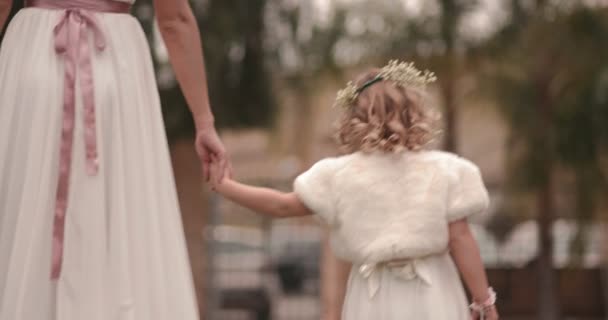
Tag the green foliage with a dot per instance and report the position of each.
(551, 81)
(299, 49)
(232, 33)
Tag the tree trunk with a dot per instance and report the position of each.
(548, 303)
(585, 207)
(304, 129)
(604, 263)
(449, 25)
(448, 90)
(548, 308)
(517, 11)
(540, 4)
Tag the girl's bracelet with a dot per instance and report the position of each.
(483, 307)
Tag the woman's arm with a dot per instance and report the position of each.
(466, 256)
(5, 9)
(181, 35)
(262, 200)
(180, 32)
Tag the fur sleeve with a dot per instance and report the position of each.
(467, 195)
(314, 189)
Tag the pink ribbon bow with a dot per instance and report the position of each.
(71, 42)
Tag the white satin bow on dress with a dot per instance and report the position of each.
(406, 269)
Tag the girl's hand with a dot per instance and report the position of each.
(216, 174)
(491, 314)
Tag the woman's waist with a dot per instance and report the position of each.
(39, 22)
(101, 6)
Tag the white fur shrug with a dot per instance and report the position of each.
(383, 207)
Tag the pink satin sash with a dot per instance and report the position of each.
(77, 21)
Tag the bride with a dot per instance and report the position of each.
(90, 226)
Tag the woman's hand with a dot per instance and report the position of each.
(209, 148)
(178, 27)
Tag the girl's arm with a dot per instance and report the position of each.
(5, 9)
(466, 256)
(262, 200)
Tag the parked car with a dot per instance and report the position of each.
(296, 253)
(239, 271)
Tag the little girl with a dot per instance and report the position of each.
(398, 213)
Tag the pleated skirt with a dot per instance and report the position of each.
(125, 256)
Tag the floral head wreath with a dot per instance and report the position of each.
(403, 74)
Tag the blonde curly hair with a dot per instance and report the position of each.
(387, 118)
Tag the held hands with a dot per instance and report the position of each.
(210, 149)
(216, 174)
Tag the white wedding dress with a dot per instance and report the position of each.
(124, 255)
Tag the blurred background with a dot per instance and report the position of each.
(523, 88)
